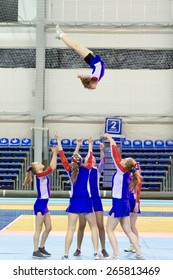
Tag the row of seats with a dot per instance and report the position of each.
(15, 142)
(147, 144)
(125, 144)
(68, 142)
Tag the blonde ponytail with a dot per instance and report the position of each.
(28, 175)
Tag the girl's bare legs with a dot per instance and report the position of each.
(125, 223)
(80, 233)
(94, 231)
(133, 219)
(110, 227)
(48, 228)
(82, 51)
(72, 220)
(39, 219)
(100, 225)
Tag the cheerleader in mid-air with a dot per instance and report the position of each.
(96, 64)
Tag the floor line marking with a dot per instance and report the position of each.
(11, 222)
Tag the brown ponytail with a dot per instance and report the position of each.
(134, 182)
(28, 175)
(75, 171)
(131, 167)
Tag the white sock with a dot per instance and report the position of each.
(62, 34)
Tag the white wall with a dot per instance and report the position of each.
(85, 129)
(17, 90)
(16, 128)
(132, 130)
(120, 93)
(110, 10)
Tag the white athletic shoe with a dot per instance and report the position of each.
(138, 257)
(131, 249)
(59, 32)
(113, 258)
(97, 256)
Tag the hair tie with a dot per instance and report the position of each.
(29, 168)
(77, 160)
(134, 169)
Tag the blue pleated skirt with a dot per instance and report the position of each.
(80, 205)
(97, 203)
(120, 207)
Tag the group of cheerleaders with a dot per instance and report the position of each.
(85, 202)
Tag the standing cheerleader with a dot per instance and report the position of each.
(94, 179)
(80, 197)
(120, 211)
(135, 207)
(41, 211)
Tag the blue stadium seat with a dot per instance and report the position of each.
(159, 144)
(137, 144)
(26, 142)
(85, 142)
(169, 143)
(148, 144)
(53, 142)
(4, 141)
(126, 144)
(96, 143)
(14, 142)
(65, 142)
(73, 142)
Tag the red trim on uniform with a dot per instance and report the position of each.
(138, 190)
(89, 161)
(64, 161)
(46, 172)
(117, 157)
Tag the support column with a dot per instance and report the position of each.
(40, 80)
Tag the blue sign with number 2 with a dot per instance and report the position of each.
(113, 125)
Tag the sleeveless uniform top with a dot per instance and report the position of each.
(121, 179)
(98, 68)
(94, 178)
(43, 183)
(81, 187)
